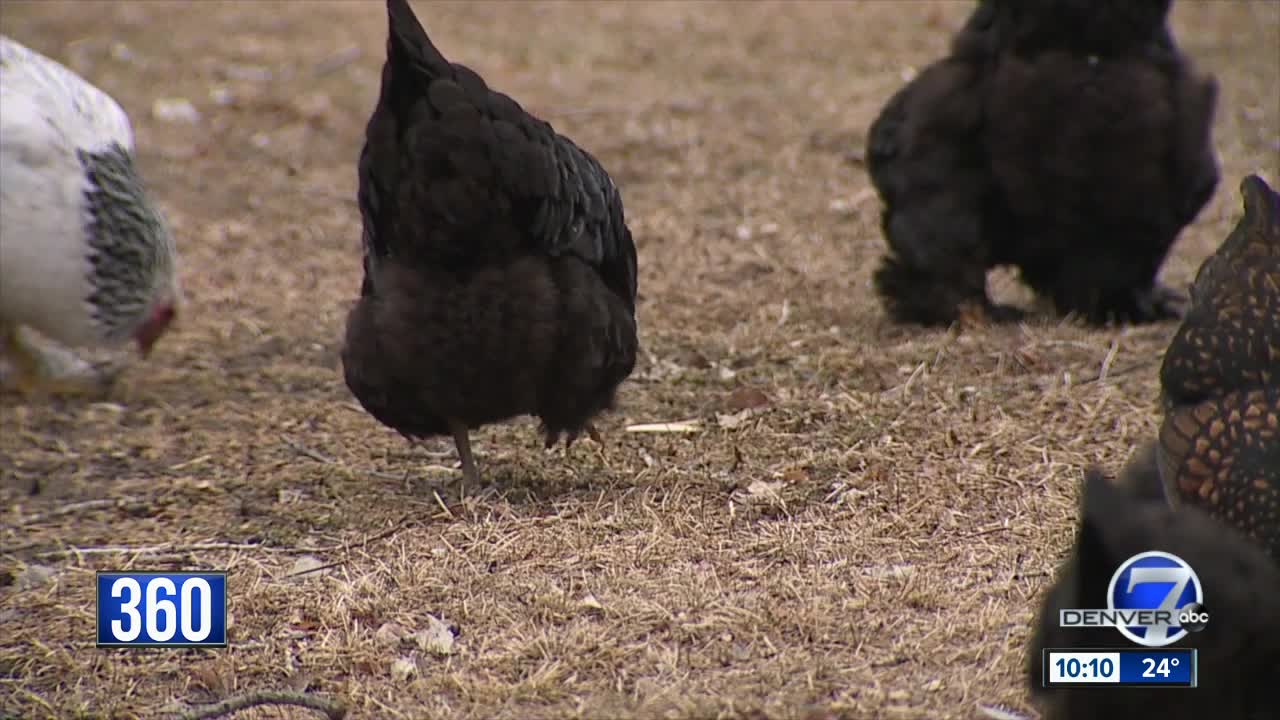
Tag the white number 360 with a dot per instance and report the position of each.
(162, 616)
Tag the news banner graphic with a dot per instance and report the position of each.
(1154, 599)
(155, 609)
(1120, 667)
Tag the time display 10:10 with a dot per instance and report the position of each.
(1091, 667)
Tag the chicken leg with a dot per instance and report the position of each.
(462, 440)
(51, 370)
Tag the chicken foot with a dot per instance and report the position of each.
(51, 370)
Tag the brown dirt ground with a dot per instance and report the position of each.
(925, 481)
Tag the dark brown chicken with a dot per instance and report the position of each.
(1220, 440)
(1067, 138)
(1240, 583)
(499, 272)
(1207, 491)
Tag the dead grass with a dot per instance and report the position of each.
(869, 543)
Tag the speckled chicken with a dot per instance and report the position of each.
(85, 257)
(1240, 584)
(499, 271)
(1067, 138)
(1220, 440)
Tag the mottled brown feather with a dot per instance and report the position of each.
(1220, 440)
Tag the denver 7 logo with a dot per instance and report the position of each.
(1160, 582)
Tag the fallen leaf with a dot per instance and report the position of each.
(300, 682)
(795, 475)
(208, 679)
(694, 359)
(436, 638)
(307, 566)
(745, 398)
(764, 489)
(998, 713)
(390, 634)
(403, 668)
(733, 420)
(33, 576)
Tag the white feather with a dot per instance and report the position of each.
(47, 114)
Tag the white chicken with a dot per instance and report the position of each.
(86, 260)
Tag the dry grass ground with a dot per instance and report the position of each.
(868, 538)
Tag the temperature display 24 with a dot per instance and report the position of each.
(1119, 667)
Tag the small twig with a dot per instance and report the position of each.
(41, 701)
(154, 549)
(21, 548)
(309, 571)
(331, 708)
(1123, 371)
(440, 501)
(75, 508)
(680, 426)
(404, 522)
(979, 533)
(307, 452)
(1106, 362)
(310, 454)
(346, 547)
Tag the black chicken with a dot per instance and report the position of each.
(1240, 585)
(1067, 138)
(499, 272)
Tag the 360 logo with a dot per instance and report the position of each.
(1154, 599)
(162, 609)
